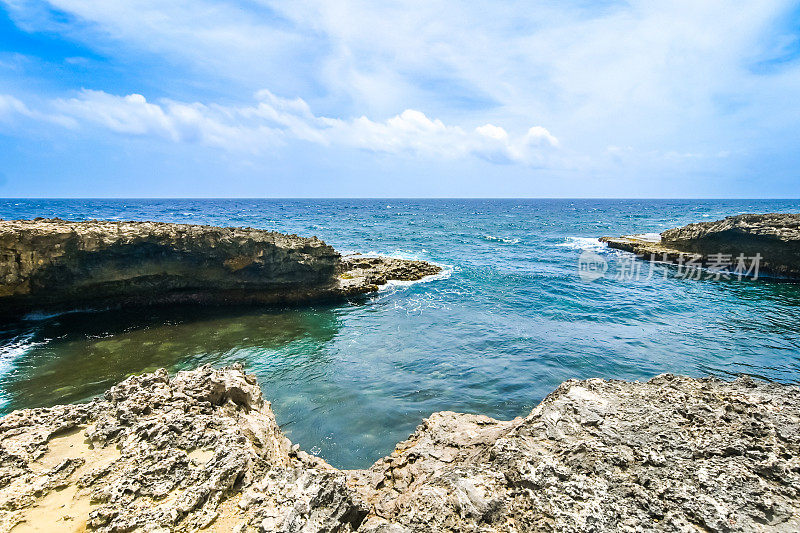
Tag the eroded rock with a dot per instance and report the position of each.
(381, 270)
(54, 264)
(774, 238)
(673, 454)
(202, 450)
(169, 454)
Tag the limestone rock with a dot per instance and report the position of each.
(167, 455)
(673, 454)
(775, 237)
(202, 451)
(53, 264)
(381, 270)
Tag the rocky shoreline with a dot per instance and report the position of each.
(774, 238)
(202, 451)
(52, 264)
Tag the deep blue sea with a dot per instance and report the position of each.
(508, 321)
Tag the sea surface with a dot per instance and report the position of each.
(508, 320)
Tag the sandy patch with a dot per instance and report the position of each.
(65, 509)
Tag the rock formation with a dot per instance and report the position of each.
(381, 270)
(774, 237)
(202, 450)
(52, 264)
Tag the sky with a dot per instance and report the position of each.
(432, 98)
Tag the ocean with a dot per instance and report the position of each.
(508, 320)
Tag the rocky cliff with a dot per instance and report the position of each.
(52, 264)
(202, 451)
(775, 237)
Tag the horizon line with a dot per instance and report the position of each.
(27, 198)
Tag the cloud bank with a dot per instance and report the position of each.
(272, 121)
(645, 98)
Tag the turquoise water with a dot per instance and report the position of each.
(508, 322)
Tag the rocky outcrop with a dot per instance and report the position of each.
(202, 450)
(774, 238)
(156, 454)
(51, 264)
(381, 270)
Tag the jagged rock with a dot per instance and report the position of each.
(673, 454)
(202, 450)
(774, 237)
(159, 455)
(52, 264)
(381, 270)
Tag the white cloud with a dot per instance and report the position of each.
(216, 126)
(11, 107)
(658, 77)
(273, 120)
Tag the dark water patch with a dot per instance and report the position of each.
(75, 356)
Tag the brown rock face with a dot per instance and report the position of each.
(53, 264)
(202, 451)
(775, 237)
(381, 270)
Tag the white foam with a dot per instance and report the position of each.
(38, 316)
(649, 237)
(583, 243)
(396, 254)
(501, 239)
(12, 351)
(446, 272)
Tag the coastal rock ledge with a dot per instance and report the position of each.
(773, 237)
(53, 264)
(202, 451)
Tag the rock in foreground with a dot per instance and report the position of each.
(774, 238)
(202, 450)
(54, 265)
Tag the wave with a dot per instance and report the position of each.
(17, 347)
(9, 353)
(38, 316)
(500, 239)
(583, 243)
(396, 254)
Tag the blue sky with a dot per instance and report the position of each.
(435, 98)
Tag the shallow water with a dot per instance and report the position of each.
(510, 320)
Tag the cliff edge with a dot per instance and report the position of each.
(202, 451)
(773, 237)
(54, 264)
